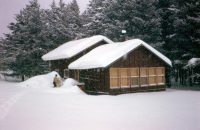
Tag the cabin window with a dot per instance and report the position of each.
(135, 77)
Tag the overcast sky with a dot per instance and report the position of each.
(8, 9)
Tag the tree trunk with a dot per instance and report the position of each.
(22, 77)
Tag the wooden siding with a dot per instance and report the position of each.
(140, 57)
(130, 77)
(140, 64)
(95, 80)
(137, 89)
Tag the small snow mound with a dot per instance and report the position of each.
(71, 86)
(70, 82)
(40, 81)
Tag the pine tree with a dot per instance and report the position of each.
(75, 23)
(63, 21)
(168, 12)
(193, 19)
(94, 17)
(36, 31)
(75, 8)
(187, 26)
(138, 17)
(1, 54)
(26, 41)
(57, 22)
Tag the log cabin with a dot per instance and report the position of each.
(62, 56)
(130, 66)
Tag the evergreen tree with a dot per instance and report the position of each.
(75, 8)
(193, 19)
(36, 31)
(75, 23)
(94, 17)
(138, 17)
(26, 44)
(181, 40)
(168, 12)
(186, 27)
(63, 21)
(1, 54)
(57, 23)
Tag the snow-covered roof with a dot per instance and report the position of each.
(104, 55)
(72, 48)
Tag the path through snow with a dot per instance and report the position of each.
(8, 97)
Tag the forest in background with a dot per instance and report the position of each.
(171, 26)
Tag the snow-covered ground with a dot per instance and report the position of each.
(29, 107)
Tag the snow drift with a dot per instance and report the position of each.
(69, 86)
(27, 109)
(40, 81)
(46, 81)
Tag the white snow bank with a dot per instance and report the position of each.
(40, 81)
(37, 110)
(70, 82)
(109, 53)
(46, 81)
(69, 86)
(72, 48)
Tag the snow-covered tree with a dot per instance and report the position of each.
(26, 42)
(94, 17)
(1, 54)
(55, 21)
(63, 21)
(168, 12)
(75, 23)
(36, 31)
(192, 8)
(138, 17)
(186, 29)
